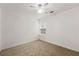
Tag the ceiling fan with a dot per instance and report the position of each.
(38, 5)
(41, 7)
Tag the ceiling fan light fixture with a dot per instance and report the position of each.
(40, 11)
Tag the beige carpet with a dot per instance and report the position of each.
(38, 48)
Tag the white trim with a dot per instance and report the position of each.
(61, 45)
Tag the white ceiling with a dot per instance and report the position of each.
(56, 7)
(60, 7)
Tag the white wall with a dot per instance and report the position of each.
(63, 29)
(0, 28)
(17, 27)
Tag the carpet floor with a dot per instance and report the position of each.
(38, 48)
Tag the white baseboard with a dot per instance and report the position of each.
(14, 45)
(60, 45)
